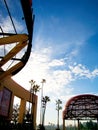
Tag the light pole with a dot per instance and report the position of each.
(32, 82)
(43, 81)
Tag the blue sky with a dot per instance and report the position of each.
(64, 51)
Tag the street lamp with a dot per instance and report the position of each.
(43, 81)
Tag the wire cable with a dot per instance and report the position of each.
(3, 36)
(10, 16)
(13, 27)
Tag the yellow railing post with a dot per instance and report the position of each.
(22, 110)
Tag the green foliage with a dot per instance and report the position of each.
(15, 114)
(90, 125)
(58, 102)
(44, 103)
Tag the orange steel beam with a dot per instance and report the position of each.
(13, 39)
(11, 70)
(12, 53)
(22, 41)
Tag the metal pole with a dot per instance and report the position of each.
(41, 104)
(78, 125)
(43, 81)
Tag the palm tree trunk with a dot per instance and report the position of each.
(58, 118)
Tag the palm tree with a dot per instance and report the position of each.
(33, 90)
(58, 108)
(44, 103)
(32, 82)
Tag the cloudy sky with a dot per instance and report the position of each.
(64, 51)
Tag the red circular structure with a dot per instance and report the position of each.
(81, 107)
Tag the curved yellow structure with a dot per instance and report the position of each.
(23, 94)
(17, 42)
(22, 41)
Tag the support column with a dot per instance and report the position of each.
(22, 110)
(64, 127)
(78, 125)
(97, 123)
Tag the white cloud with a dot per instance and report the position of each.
(7, 26)
(95, 72)
(81, 71)
(57, 62)
(41, 66)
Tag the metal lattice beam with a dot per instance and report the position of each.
(81, 107)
